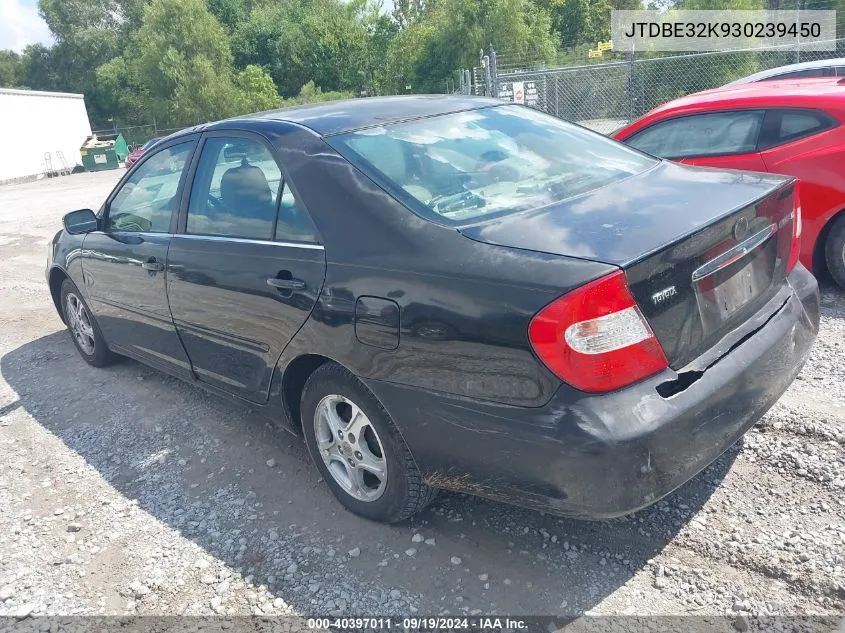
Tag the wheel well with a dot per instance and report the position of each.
(57, 277)
(819, 263)
(293, 382)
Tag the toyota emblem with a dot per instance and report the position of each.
(740, 229)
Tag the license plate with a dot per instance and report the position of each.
(725, 292)
(736, 291)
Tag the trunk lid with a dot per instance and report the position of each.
(702, 249)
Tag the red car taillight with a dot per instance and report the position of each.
(595, 338)
(796, 233)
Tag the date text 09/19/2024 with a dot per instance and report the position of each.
(421, 623)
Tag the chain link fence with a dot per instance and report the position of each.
(137, 135)
(605, 96)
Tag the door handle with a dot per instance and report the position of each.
(152, 265)
(286, 284)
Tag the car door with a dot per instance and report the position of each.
(123, 265)
(715, 139)
(245, 267)
(808, 144)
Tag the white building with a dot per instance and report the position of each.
(34, 124)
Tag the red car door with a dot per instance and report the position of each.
(809, 145)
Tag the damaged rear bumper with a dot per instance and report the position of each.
(599, 456)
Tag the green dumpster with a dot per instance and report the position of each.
(100, 153)
(120, 146)
(99, 158)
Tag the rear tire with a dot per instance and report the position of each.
(83, 327)
(358, 450)
(834, 251)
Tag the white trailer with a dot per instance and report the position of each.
(37, 129)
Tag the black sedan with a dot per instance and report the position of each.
(452, 292)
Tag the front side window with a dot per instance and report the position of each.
(714, 134)
(146, 201)
(470, 166)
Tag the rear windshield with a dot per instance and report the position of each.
(469, 166)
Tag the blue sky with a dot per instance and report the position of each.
(20, 24)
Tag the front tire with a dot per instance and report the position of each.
(83, 327)
(358, 449)
(834, 251)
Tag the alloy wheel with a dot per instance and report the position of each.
(350, 447)
(79, 323)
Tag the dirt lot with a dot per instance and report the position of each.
(123, 491)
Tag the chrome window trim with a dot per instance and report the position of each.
(246, 240)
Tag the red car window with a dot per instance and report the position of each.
(787, 125)
(711, 134)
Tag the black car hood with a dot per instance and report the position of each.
(627, 220)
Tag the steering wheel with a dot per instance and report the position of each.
(130, 222)
(216, 203)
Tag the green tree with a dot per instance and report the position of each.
(451, 35)
(230, 13)
(181, 59)
(124, 96)
(303, 40)
(408, 12)
(11, 70)
(584, 21)
(38, 68)
(180, 70)
(258, 92)
(313, 94)
(88, 34)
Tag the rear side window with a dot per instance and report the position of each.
(713, 134)
(470, 166)
(238, 192)
(799, 74)
(785, 126)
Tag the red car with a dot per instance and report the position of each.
(793, 127)
(136, 153)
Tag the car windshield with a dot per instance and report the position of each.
(469, 166)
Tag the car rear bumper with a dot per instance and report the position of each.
(599, 456)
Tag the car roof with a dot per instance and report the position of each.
(336, 117)
(789, 68)
(778, 93)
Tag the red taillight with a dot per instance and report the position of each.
(595, 338)
(796, 233)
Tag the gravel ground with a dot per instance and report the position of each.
(124, 491)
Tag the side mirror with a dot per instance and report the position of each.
(81, 221)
